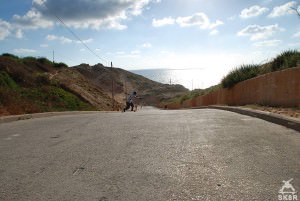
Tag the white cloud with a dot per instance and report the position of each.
(199, 19)
(268, 43)
(284, 9)
(24, 51)
(216, 24)
(90, 13)
(5, 28)
(163, 22)
(257, 32)
(147, 45)
(51, 37)
(214, 32)
(65, 40)
(100, 14)
(296, 35)
(62, 39)
(39, 2)
(33, 19)
(253, 11)
(19, 33)
(85, 41)
(138, 6)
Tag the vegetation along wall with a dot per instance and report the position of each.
(281, 88)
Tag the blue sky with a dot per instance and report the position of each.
(213, 35)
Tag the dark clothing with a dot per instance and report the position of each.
(129, 102)
(128, 105)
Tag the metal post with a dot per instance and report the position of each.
(112, 87)
(192, 84)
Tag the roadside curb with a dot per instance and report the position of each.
(267, 116)
(7, 119)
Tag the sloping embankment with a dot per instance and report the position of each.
(281, 88)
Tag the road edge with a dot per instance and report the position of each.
(267, 116)
(12, 118)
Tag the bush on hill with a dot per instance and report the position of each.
(10, 55)
(287, 59)
(60, 65)
(240, 74)
(6, 81)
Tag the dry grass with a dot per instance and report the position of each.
(288, 112)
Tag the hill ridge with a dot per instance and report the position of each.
(31, 85)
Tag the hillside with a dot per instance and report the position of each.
(152, 92)
(31, 85)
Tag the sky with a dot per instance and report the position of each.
(213, 35)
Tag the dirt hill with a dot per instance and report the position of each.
(125, 82)
(30, 85)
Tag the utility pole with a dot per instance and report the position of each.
(192, 84)
(125, 90)
(112, 87)
(53, 56)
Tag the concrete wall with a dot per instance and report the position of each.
(280, 88)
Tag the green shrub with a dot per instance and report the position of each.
(66, 99)
(42, 79)
(184, 98)
(52, 98)
(44, 60)
(196, 92)
(10, 56)
(60, 65)
(6, 81)
(287, 59)
(28, 59)
(240, 74)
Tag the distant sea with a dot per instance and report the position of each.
(189, 78)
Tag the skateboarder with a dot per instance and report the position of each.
(129, 101)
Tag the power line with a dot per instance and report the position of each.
(75, 35)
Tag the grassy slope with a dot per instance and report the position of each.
(26, 87)
(287, 59)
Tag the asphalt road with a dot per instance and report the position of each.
(148, 155)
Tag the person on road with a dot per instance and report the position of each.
(129, 101)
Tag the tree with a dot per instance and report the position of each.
(297, 11)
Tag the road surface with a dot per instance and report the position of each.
(148, 155)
